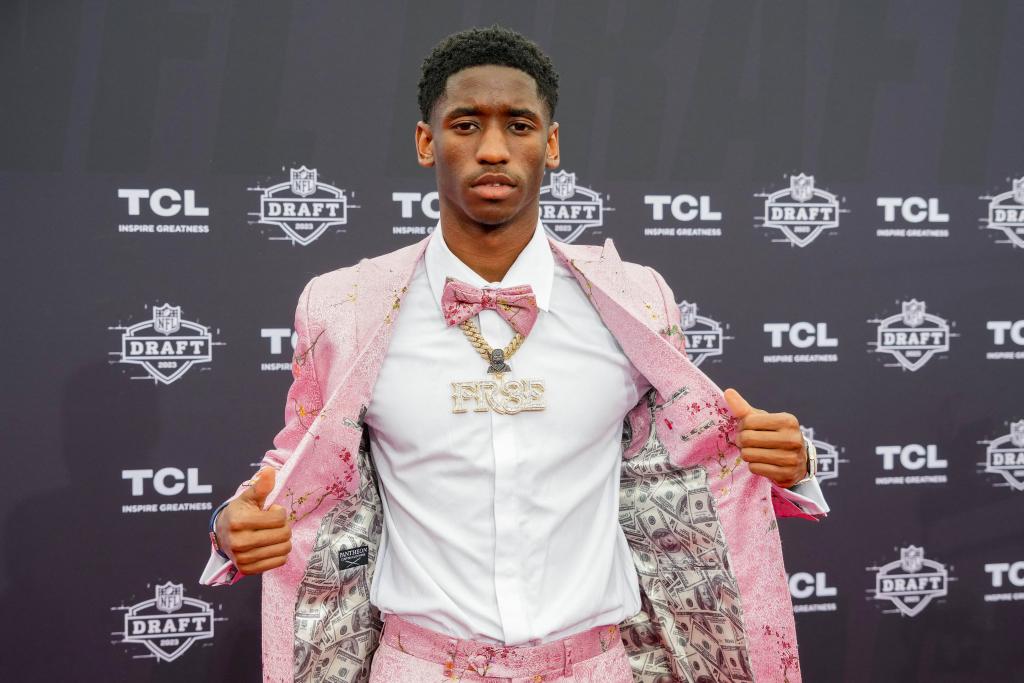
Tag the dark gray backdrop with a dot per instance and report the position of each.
(111, 473)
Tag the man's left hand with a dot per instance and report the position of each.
(770, 442)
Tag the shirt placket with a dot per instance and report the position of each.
(508, 508)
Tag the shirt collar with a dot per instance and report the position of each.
(535, 266)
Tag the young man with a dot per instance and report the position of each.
(495, 442)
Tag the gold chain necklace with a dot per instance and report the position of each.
(496, 357)
(506, 397)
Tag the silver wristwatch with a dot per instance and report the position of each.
(812, 461)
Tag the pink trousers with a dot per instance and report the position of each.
(409, 653)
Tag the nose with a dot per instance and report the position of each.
(492, 149)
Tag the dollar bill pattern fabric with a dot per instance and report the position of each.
(337, 630)
(690, 598)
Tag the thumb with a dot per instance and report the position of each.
(737, 404)
(262, 485)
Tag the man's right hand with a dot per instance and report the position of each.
(255, 539)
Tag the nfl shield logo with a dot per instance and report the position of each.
(303, 181)
(913, 312)
(1017, 434)
(912, 559)
(167, 319)
(688, 313)
(801, 187)
(1018, 190)
(169, 597)
(563, 185)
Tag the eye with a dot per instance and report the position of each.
(521, 126)
(463, 126)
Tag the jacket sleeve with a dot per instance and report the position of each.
(802, 500)
(302, 405)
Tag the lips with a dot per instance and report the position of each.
(493, 179)
(493, 186)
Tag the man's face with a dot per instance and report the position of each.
(489, 140)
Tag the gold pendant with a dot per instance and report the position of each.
(505, 397)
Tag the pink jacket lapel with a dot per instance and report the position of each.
(380, 286)
(602, 274)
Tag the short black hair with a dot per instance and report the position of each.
(483, 46)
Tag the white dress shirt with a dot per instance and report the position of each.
(503, 528)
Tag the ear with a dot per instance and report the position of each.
(424, 144)
(552, 159)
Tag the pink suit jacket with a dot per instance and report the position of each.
(701, 527)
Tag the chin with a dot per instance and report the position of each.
(493, 216)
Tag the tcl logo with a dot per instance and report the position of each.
(1000, 570)
(912, 209)
(277, 335)
(164, 202)
(912, 457)
(803, 585)
(428, 203)
(684, 207)
(802, 335)
(1001, 329)
(167, 481)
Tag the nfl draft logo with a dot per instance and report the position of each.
(828, 456)
(913, 336)
(1005, 456)
(166, 345)
(800, 212)
(168, 624)
(1006, 213)
(303, 208)
(911, 582)
(567, 209)
(703, 335)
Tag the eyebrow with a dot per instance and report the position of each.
(477, 111)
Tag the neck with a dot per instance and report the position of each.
(489, 250)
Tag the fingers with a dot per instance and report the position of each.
(783, 466)
(255, 539)
(243, 528)
(263, 565)
(789, 439)
(774, 456)
(246, 518)
(783, 476)
(266, 552)
(771, 443)
(763, 420)
(248, 541)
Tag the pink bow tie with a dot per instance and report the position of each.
(517, 305)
